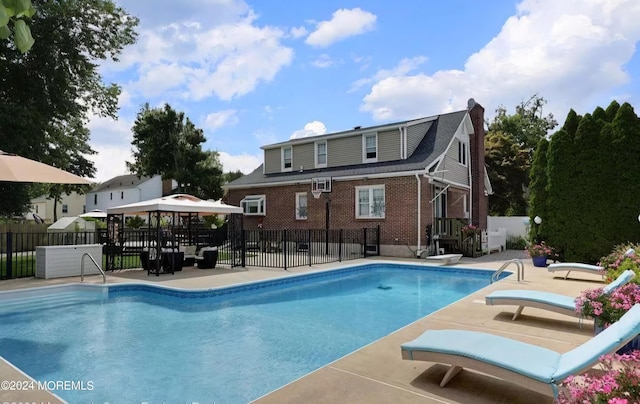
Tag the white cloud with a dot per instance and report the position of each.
(297, 32)
(196, 62)
(568, 52)
(217, 120)
(110, 161)
(324, 61)
(243, 162)
(343, 24)
(313, 128)
(405, 66)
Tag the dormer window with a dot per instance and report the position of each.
(370, 148)
(287, 158)
(321, 154)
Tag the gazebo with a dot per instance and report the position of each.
(159, 250)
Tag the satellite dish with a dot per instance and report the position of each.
(37, 219)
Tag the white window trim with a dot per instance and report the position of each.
(260, 199)
(298, 216)
(326, 154)
(364, 148)
(370, 188)
(282, 149)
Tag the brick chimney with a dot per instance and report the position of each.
(479, 199)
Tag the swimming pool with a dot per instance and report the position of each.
(138, 343)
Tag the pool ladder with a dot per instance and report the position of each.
(104, 276)
(515, 261)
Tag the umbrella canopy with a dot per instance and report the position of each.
(14, 168)
(181, 203)
(96, 213)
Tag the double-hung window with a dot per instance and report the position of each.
(301, 206)
(321, 154)
(370, 202)
(254, 205)
(287, 158)
(370, 148)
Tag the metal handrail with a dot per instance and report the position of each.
(104, 275)
(519, 265)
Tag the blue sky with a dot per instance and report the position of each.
(251, 73)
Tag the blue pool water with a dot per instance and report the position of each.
(227, 346)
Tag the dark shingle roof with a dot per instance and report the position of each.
(121, 181)
(432, 145)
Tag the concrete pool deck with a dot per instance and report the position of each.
(377, 373)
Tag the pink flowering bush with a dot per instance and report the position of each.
(470, 229)
(616, 382)
(607, 308)
(540, 250)
(622, 258)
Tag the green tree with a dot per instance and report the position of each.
(14, 14)
(48, 92)
(509, 163)
(232, 176)
(168, 144)
(592, 183)
(557, 226)
(538, 188)
(524, 129)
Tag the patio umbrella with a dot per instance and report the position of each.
(14, 168)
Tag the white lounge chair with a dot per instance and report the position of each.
(576, 267)
(530, 366)
(579, 267)
(547, 301)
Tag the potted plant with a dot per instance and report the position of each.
(606, 309)
(539, 253)
(617, 382)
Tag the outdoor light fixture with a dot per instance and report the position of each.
(538, 219)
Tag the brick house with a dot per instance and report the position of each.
(402, 176)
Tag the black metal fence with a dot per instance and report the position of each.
(295, 248)
(258, 248)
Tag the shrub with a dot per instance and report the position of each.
(516, 243)
(622, 258)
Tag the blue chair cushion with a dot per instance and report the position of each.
(526, 359)
(554, 299)
(621, 280)
(605, 342)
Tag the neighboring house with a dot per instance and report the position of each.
(125, 189)
(401, 176)
(67, 206)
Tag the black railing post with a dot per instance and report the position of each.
(364, 244)
(9, 255)
(243, 250)
(309, 246)
(285, 247)
(378, 240)
(340, 246)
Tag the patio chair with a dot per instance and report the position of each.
(579, 267)
(545, 300)
(207, 257)
(530, 366)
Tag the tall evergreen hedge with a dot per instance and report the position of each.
(589, 193)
